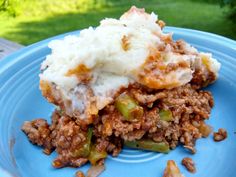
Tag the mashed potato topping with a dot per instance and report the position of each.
(83, 73)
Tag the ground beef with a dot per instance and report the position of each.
(145, 98)
(186, 104)
(220, 135)
(180, 47)
(202, 78)
(38, 132)
(189, 108)
(64, 135)
(189, 164)
(112, 122)
(67, 137)
(112, 145)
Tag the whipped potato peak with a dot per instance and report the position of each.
(84, 72)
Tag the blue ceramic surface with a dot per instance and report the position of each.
(20, 100)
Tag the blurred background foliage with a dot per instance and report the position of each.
(232, 8)
(37, 7)
(28, 21)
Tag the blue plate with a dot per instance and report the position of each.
(20, 100)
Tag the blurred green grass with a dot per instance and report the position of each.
(37, 20)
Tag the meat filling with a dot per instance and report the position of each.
(152, 120)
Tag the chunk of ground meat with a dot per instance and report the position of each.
(189, 164)
(38, 132)
(67, 137)
(112, 123)
(202, 78)
(145, 98)
(115, 146)
(185, 101)
(111, 145)
(220, 135)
